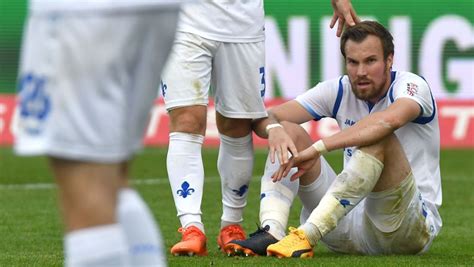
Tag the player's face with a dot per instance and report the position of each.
(368, 72)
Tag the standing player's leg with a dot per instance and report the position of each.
(185, 87)
(145, 243)
(186, 174)
(239, 82)
(235, 166)
(88, 197)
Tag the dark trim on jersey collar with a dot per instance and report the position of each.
(337, 104)
(370, 105)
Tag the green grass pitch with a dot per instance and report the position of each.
(31, 231)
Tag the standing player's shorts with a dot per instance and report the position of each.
(395, 221)
(88, 81)
(234, 71)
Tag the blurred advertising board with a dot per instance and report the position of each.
(456, 124)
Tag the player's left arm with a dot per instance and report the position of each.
(376, 126)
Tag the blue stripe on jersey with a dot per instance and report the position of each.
(311, 111)
(419, 120)
(393, 74)
(425, 120)
(338, 99)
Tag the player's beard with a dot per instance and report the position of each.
(373, 92)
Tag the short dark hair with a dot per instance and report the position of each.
(361, 30)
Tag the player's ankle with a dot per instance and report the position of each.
(311, 232)
(276, 229)
(198, 225)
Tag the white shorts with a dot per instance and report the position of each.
(394, 221)
(88, 81)
(234, 71)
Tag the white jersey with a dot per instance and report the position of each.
(41, 6)
(420, 138)
(238, 21)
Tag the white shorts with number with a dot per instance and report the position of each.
(234, 71)
(88, 81)
(394, 221)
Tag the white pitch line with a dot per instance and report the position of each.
(36, 186)
(147, 181)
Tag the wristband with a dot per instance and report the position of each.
(320, 147)
(271, 126)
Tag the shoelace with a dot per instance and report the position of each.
(188, 232)
(289, 240)
(260, 230)
(233, 229)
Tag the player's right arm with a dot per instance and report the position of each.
(279, 141)
(290, 111)
(316, 103)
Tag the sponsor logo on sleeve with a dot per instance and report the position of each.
(412, 89)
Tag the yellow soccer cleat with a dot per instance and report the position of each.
(294, 245)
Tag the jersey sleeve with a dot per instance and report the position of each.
(417, 89)
(319, 100)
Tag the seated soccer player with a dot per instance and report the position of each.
(386, 199)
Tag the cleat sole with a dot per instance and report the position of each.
(279, 256)
(189, 254)
(239, 250)
(249, 252)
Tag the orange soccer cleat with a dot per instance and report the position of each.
(227, 234)
(193, 242)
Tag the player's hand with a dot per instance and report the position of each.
(344, 15)
(280, 143)
(305, 161)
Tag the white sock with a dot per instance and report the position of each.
(143, 237)
(311, 232)
(235, 165)
(186, 175)
(354, 183)
(276, 199)
(103, 245)
(310, 195)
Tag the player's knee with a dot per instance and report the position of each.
(378, 149)
(233, 127)
(87, 213)
(187, 121)
(298, 134)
